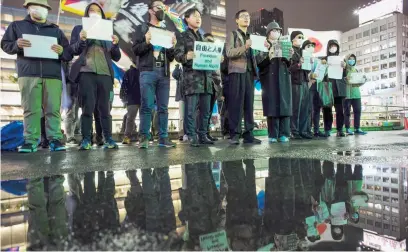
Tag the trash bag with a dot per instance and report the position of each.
(326, 94)
(12, 136)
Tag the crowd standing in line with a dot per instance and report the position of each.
(290, 95)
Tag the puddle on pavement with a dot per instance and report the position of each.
(373, 153)
(266, 204)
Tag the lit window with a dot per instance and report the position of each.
(366, 42)
(395, 210)
(375, 39)
(383, 46)
(359, 44)
(375, 68)
(392, 34)
(367, 51)
(392, 43)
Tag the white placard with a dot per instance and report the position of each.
(307, 63)
(320, 71)
(207, 56)
(338, 210)
(161, 37)
(357, 78)
(98, 28)
(40, 47)
(258, 43)
(335, 69)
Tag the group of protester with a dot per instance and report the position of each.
(289, 93)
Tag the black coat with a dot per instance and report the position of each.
(194, 81)
(339, 86)
(276, 86)
(131, 86)
(35, 67)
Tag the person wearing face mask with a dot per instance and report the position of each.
(276, 88)
(353, 98)
(198, 87)
(154, 66)
(300, 120)
(339, 90)
(39, 79)
(94, 73)
(242, 70)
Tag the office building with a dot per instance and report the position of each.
(219, 22)
(261, 18)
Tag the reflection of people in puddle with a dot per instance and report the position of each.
(200, 202)
(134, 203)
(242, 218)
(47, 222)
(288, 187)
(97, 211)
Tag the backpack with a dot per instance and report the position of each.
(12, 136)
(225, 63)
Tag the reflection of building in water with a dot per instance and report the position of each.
(387, 211)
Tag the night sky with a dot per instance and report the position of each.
(313, 14)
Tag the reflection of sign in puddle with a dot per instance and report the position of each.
(372, 153)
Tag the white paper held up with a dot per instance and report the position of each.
(338, 210)
(161, 37)
(335, 69)
(320, 71)
(258, 43)
(40, 47)
(306, 65)
(357, 78)
(98, 28)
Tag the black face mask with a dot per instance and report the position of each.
(159, 15)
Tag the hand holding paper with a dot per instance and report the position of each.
(41, 47)
(97, 28)
(335, 67)
(160, 37)
(259, 43)
(21, 43)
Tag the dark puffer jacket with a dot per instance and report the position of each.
(35, 67)
(194, 81)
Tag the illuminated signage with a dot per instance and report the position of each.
(383, 243)
(379, 9)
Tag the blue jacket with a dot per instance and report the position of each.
(35, 67)
(79, 47)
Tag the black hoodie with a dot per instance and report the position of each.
(298, 75)
(79, 47)
(35, 67)
(339, 86)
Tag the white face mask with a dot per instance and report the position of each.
(94, 15)
(275, 35)
(333, 49)
(38, 11)
(310, 49)
(298, 42)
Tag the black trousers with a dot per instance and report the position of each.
(197, 123)
(98, 125)
(278, 126)
(301, 109)
(241, 103)
(94, 92)
(356, 104)
(338, 106)
(327, 113)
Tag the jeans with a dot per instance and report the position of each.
(278, 127)
(356, 104)
(154, 84)
(94, 91)
(191, 101)
(181, 124)
(130, 119)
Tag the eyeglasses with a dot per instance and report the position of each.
(160, 7)
(300, 37)
(244, 16)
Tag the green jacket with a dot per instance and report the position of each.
(353, 90)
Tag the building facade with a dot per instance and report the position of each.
(219, 22)
(261, 18)
(381, 48)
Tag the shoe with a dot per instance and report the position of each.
(206, 140)
(181, 138)
(340, 134)
(349, 132)
(185, 138)
(110, 144)
(194, 142)
(72, 141)
(99, 141)
(126, 140)
(306, 136)
(327, 133)
(319, 134)
(252, 140)
(56, 145)
(28, 148)
(272, 140)
(360, 132)
(283, 139)
(166, 142)
(144, 143)
(214, 139)
(234, 140)
(296, 136)
(85, 145)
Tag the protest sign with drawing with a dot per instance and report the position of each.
(207, 56)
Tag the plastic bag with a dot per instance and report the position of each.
(325, 91)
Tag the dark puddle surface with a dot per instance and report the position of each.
(266, 204)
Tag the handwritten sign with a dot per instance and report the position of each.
(207, 56)
(216, 241)
(281, 49)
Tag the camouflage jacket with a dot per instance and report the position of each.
(194, 81)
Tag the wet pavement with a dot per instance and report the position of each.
(308, 195)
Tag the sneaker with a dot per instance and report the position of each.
(126, 140)
(85, 145)
(283, 139)
(340, 134)
(360, 132)
(144, 143)
(272, 140)
(110, 144)
(185, 138)
(166, 142)
(214, 139)
(296, 136)
(234, 140)
(349, 132)
(72, 141)
(194, 142)
(319, 134)
(252, 140)
(327, 133)
(28, 148)
(206, 140)
(306, 136)
(56, 145)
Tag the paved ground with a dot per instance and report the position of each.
(377, 147)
